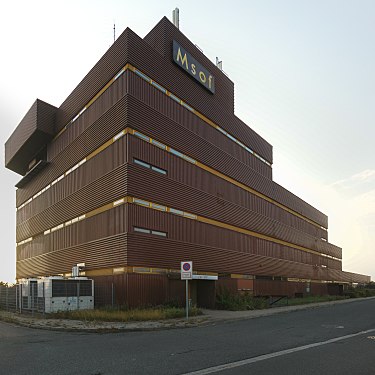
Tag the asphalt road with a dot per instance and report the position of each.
(336, 339)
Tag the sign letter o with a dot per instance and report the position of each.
(202, 77)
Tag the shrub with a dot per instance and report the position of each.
(225, 300)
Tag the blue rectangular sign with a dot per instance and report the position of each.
(187, 62)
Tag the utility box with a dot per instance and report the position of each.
(67, 294)
(53, 294)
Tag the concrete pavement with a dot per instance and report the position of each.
(208, 317)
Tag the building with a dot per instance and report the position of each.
(145, 165)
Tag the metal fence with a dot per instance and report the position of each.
(9, 297)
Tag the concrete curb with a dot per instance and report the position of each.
(210, 317)
(224, 315)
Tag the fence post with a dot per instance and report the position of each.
(44, 301)
(32, 299)
(6, 298)
(20, 297)
(78, 287)
(112, 296)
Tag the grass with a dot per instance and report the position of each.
(309, 299)
(225, 300)
(125, 315)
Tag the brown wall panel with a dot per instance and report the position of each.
(113, 121)
(106, 68)
(218, 107)
(224, 191)
(202, 234)
(104, 103)
(152, 252)
(278, 288)
(157, 100)
(104, 225)
(155, 252)
(135, 290)
(155, 187)
(148, 120)
(131, 48)
(30, 137)
(95, 168)
(94, 195)
(108, 252)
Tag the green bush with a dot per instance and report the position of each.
(360, 292)
(225, 300)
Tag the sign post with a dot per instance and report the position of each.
(187, 274)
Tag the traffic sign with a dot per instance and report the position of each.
(186, 270)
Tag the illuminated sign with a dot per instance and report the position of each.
(193, 67)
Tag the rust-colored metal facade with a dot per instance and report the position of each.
(81, 206)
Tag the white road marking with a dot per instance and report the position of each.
(248, 361)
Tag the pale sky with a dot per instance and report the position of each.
(304, 80)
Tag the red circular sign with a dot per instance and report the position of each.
(186, 267)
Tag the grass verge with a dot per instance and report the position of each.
(125, 315)
(311, 299)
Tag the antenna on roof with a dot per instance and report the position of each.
(176, 18)
(114, 32)
(219, 64)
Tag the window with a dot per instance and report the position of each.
(159, 170)
(177, 212)
(175, 98)
(149, 166)
(142, 136)
(190, 216)
(142, 75)
(158, 233)
(141, 202)
(158, 87)
(158, 207)
(175, 152)
(150, 231)
(142, 230)
(161, 145)
(142, 163)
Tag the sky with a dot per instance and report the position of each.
(304, 80)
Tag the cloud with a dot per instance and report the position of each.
(363, 179)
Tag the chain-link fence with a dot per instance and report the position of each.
(105, 295)
(9, 297)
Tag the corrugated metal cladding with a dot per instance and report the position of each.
(100, 227)
(110, 251)
(33, 133)
(104, 190)
(135, 290)
(113, 121)
(157, 100)
(146, 119)
(211, 259)
(218, 107)
(155, 187)
(224, 191)
(195, 233)
(285, 288)
(106, 166)
(104, 238)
